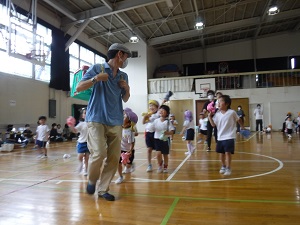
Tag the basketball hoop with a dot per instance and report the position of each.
(204, 88)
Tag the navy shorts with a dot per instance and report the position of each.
(41, 144)
(225, 146)
(150, 140)
(162, 146)
(204, 132)
(190, 134)
(82, 148)
(131, 158)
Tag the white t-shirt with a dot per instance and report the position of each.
(289, 124)
(161, 126)
(149, 126)
(127, 139)
(258, 113)
(203, 123)
(226, 124)
(82, 128)
(189, 124)
(42, 132)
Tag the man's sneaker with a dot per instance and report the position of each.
(107, 197)
(149, 168)
(159, 169)
(44, 157)
(119, 180)
(187, 153)
(200, 140)
(222, 170)
(165, 170)
(227, 172)
(90, 188)
(208, 149)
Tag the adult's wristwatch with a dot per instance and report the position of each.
(94, 80)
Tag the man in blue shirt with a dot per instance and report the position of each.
(105, 116)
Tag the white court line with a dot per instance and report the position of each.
(178, 168)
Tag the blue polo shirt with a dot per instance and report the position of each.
(105, 104)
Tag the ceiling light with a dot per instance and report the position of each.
(134, 39)
(273, 10)
(199, 25)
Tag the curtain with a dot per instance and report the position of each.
(60, 72)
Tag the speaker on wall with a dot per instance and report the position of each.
(52, 108)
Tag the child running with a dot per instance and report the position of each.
(163, 127)
(202, 127)
(82, 148)
(42, 136)
(189, 131)
(225, 119)
(148, 119)
(127, 143)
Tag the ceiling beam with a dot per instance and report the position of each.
(221, 27)
(56, 5)
(77, 33)
(104, 11)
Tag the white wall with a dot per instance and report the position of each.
(23, 100)
(137, 75)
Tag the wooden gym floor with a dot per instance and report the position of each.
(264, 187)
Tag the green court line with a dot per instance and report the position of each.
(170, 211)
(215, 199)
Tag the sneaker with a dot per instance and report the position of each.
(200, 140)
(132, 169)
(44, 157)
(85, 173)
(159, 169)
(222, 170)
(119, 180)
(90, 188)
(208, 149)
(187, 153)
(126, 170)
(149, 168)
(79, 169)
(227, 172)
(193, 150)
(107, 197)
(39, 156)
(165, 170)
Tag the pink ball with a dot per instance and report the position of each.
(71, 121)
(211, 107)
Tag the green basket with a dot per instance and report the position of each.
(83, 95)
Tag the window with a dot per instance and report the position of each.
(24, 47)
(79, 57)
